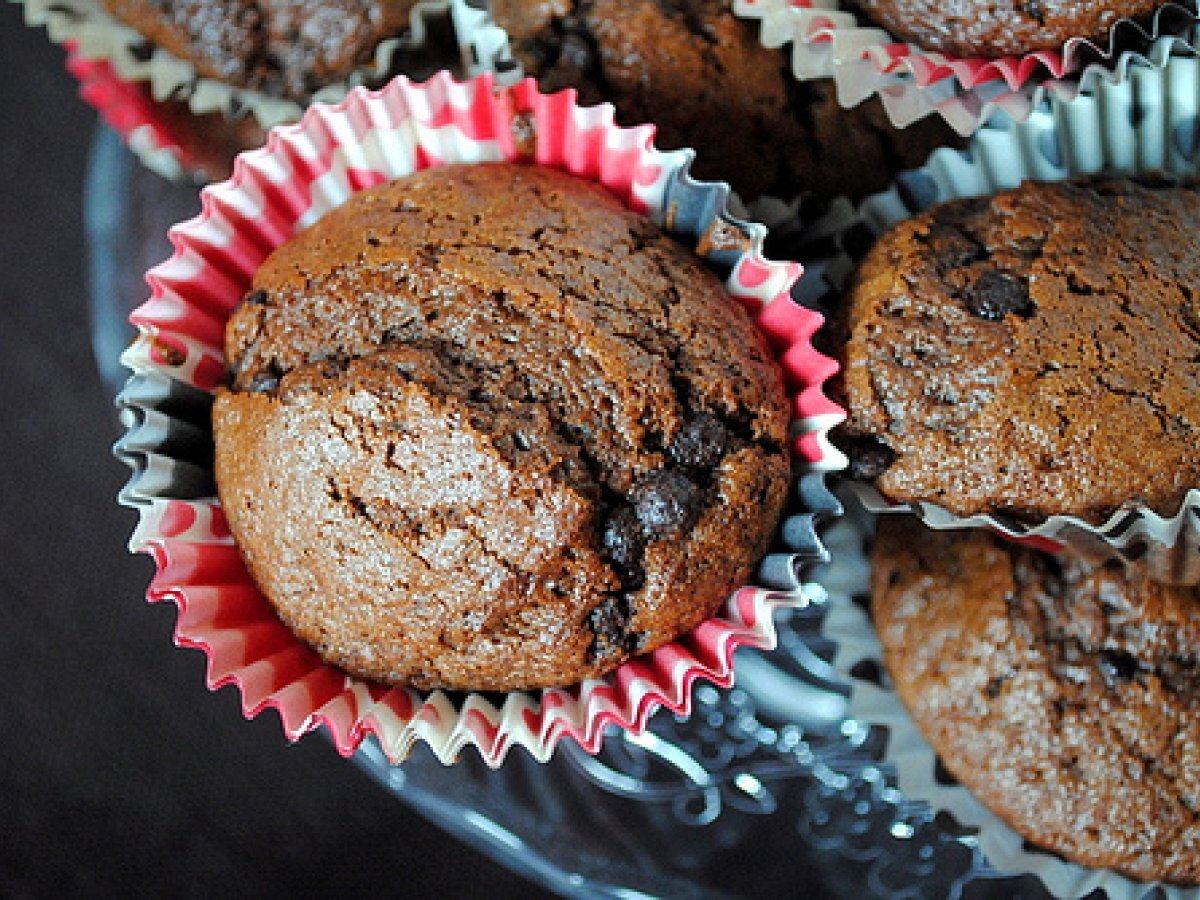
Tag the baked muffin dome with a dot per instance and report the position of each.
(289, 48)
(487, 429)
(1031, 354)
(702, 76)
(1065, 695)
(1005, 28)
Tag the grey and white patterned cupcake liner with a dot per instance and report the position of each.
(1145, 124)
(828, 40)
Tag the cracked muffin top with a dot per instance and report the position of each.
(1065, 695)
(288, 48)
(703, 78)
(1031, 354)
(487, 429)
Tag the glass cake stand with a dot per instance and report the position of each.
(766, 790)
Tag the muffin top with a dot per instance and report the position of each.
(488, 429)
(283, 47)
(703, 78)
(1006, 28)
(1031, 354)
(1065, 695)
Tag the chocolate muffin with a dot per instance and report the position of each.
(1008, 28)
(1065, 696)
(283, 47)
(1031, 354)
(703, 78)
(487, 429)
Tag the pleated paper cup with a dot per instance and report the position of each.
(829, 41)
(1144, 125)
(304, 171)
(166, 137)
(858, 660)
(125, 77)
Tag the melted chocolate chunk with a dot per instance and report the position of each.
(666, 502)
(951, 246)
(868, 458)
(624, 545)
(263, 383)
(1117, 666)
(609, 621)
(700, 443)
(996, 294)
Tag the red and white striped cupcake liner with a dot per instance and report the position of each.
(309, 168)
(131, 71)
(128, 109)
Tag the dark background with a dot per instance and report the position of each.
(120, 774)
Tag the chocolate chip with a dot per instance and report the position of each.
(609, 623)
(868, 458)
(951, 246)
(666, 502)
(996, 294)
(700, 443)
(257, 297)
(1117, 666)
(576, 52)
(623, 546)
(334, 365)
(1035, 11)
(263, 382)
